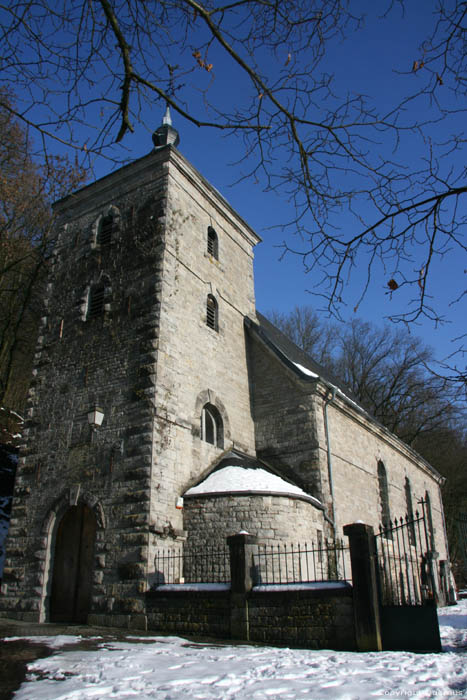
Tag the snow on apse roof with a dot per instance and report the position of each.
(237, 479)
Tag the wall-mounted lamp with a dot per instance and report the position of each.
(95, 417)
(179, 503)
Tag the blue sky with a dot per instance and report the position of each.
(366, 62)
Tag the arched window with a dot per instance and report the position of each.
(107, 227)
(384, 495)
(96, 300)
(213, 243)
(410, 517)
(212, 429)
(212, 313)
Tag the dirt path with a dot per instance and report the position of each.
(14, 658)
(15, 655)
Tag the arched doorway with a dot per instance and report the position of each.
(73, 565)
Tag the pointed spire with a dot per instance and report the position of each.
(167, 117)
(166, 134)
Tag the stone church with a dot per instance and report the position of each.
(165, 410)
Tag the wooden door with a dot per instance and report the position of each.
(73, 566)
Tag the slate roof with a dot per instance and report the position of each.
(292, 355)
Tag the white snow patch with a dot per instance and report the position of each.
(338, 391)
(193, 587)
(237, 479)
(453, 626)
(316, 585)
(170, 668)
(306, 371)
(57, 642)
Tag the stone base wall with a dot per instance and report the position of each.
(315, 619)
(195, 613)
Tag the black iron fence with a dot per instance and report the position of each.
(405, 564)
(301, 563)
(271, 564)
(192, 565)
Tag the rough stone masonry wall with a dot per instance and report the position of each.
(209, 520)
(195, 613)
(109, 360)
(198, 364)
(291, 432)
(311, 619)
(284, 409)
(357, 445)
(314, 619)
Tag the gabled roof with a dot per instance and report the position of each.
(307, 369)
(296, 359)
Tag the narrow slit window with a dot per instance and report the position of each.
(96, 301)
(384, 498)
(212, 313)
(213, 243)
(410, 516)
(429, 515)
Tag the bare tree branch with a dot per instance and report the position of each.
(86, 74)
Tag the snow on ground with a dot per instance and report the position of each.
(453, 627)
(170, 668)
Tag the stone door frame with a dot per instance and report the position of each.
(71, 497)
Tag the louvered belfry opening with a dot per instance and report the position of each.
(96, 301)
(106, 230)
(213, 248)
(211, 312)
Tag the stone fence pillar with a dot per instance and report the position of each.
(365, 586)
(433, 576)
(241, 548)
